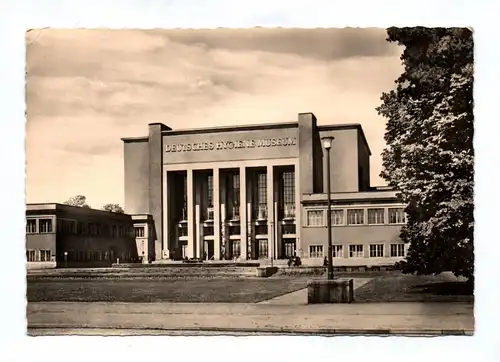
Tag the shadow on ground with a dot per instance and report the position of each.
(398, 287)
(458, 288)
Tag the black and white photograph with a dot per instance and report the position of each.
(250, 181)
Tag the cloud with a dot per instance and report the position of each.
(88, 88)
(322, 43)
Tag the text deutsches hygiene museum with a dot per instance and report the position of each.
(230, 145)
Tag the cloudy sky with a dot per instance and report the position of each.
(88, 88)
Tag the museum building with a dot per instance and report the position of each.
(258, 192)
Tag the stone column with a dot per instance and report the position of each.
(190, 215)
(166, 246)
(198, 232)
(223, 234)
(198, 202)
(249, 231)
(270, 211)
(217, 214)
(243, 213)
(224, 242)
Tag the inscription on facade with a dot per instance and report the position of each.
(230, 145)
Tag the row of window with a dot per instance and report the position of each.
(66, 226)
(38, 255)
(96, 255)
(358, 216)
(357, 251)
(44, 226)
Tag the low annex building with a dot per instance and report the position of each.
(258, 192)
(62, 235)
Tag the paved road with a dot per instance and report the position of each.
(171, 318)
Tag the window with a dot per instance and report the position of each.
(376, 250)
(397, 216)
(84, 228)
(139, 232)
(30, 255)
(376, 216)
(45, 255)
(355, 216)
(337, 251)
(31, 226)
(315, 218)
(45, 225)
(355, 251)
(397, 250)
(113, 231)
(315, 251)
(337, 217)
(289, 193)
(120, 231)
(260, 195)
(93, 229)
(210, 191)
(65, 226)
(234, 196)
(208, 230)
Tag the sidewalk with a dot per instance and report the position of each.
(363, 318)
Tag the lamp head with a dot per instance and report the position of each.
(327, 142)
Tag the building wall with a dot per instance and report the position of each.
(136, 173)
(119, 245)
(307, 166)
(364, 164)
(156, 154)
(343, 160)
(41, 242)
(209, 151)
(351, 235)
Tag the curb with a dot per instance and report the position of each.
(314, 331)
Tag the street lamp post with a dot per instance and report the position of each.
(327, 144)
(65, 259)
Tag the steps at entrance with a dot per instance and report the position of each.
(149, 271)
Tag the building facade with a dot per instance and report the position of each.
(60, 235)
(258, 193)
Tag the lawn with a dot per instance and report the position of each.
(384, 287)
(167, 290)
(397, 287)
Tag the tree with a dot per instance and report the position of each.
(113, 208)
(78, 200)
(430, 156)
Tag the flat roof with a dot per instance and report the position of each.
(58, 206)
(252, 127)
(389, 195)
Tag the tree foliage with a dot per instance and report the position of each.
(113, 208)
(78, 200)
(430, 155)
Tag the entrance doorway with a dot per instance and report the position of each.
(209, 250)
(262, 249)
(184, 249)
(289, 249)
